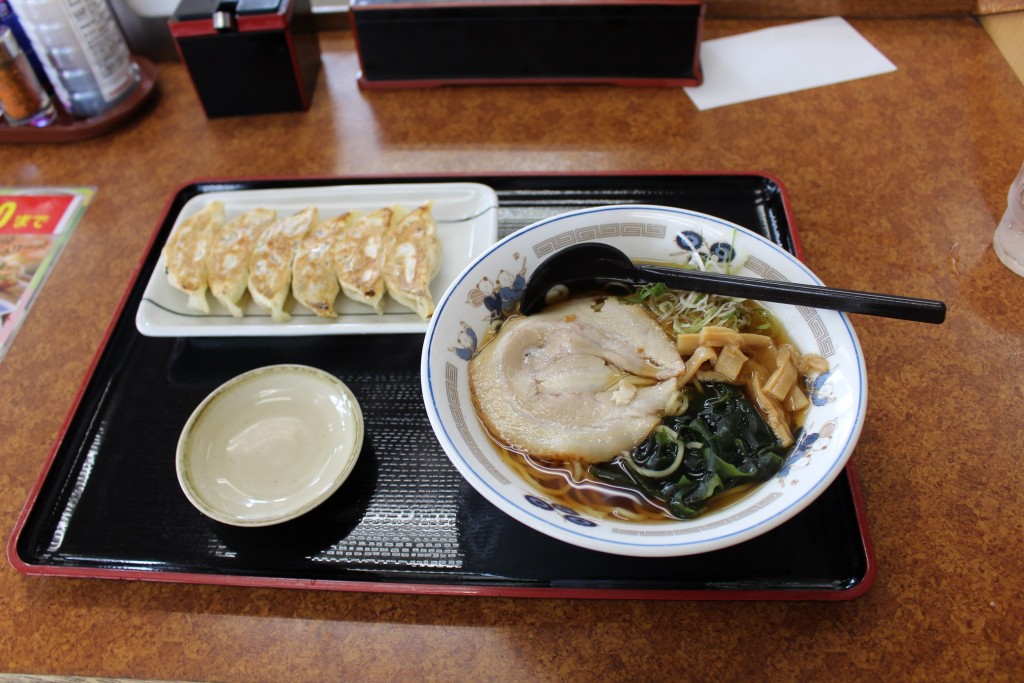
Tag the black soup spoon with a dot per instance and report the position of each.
(594, 265)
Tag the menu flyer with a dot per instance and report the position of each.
(35, 224)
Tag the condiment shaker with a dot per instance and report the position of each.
(23, 99)
(1008, 240)
(9, 19)
(83, 52)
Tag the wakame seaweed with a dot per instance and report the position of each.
(719, 442)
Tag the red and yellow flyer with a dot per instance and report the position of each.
(35, 224)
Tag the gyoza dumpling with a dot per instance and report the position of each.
(314, 283)
(228, 264)
(186, 252)
(358, 258)
(270, 266)
(412, 257)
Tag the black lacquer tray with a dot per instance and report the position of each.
(108, 504)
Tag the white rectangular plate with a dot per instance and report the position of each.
(466, 215)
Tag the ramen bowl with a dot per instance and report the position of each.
(487, 291)
(269, 445)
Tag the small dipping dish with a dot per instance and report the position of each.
(269, 445)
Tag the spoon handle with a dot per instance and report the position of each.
(798, 294)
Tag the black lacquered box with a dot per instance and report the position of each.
(249, 57)
(415, 43)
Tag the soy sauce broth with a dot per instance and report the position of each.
(573, 486)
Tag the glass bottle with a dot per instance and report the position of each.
(1008, 241)
(83, 52)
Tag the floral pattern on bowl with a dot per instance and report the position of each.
(489, 287)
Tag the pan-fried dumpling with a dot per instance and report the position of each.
(412, 258)
(228, 264)
(314, 283)
(186, 251)
(270, 266)
(358, 258)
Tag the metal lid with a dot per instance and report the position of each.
(9, 48)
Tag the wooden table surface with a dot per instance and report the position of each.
(896, 182)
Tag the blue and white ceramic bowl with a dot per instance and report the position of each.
(492, 283)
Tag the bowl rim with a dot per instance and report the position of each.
(349, 457)
(674, 546)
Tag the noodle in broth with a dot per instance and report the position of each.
(609, 490)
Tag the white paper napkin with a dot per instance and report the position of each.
(784, 59)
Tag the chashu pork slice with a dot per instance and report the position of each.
(412, 257)
(581, 381)
(186, 251)
(270, 266)
(358, 258)
(314, 282)
(228, 263)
